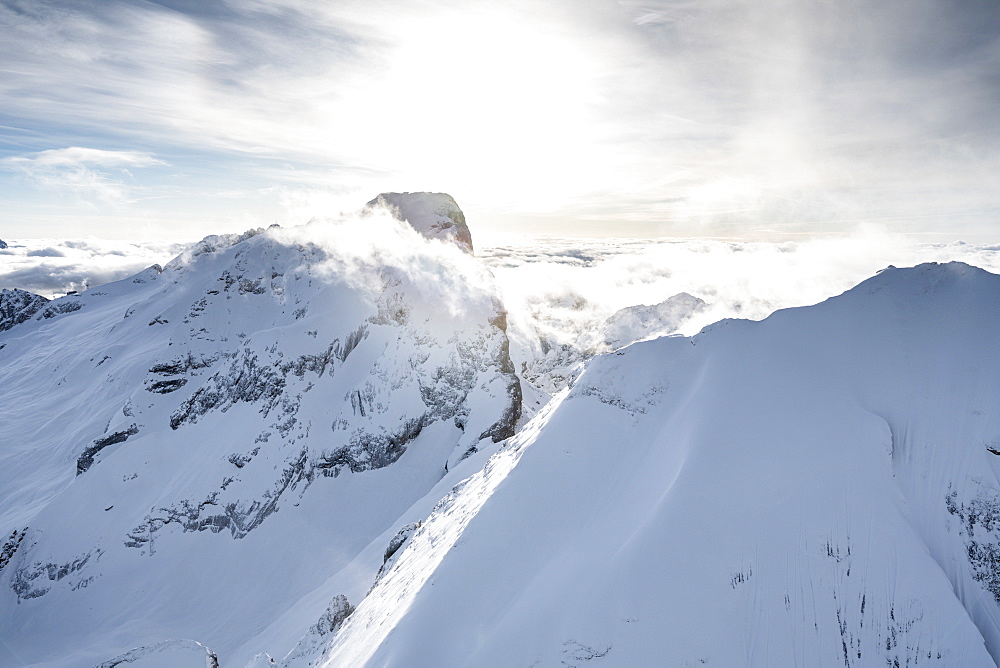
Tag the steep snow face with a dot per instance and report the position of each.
(818, 488)
(434, 215)
(189, 452)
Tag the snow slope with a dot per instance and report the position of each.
(816, 489)
(209, 446)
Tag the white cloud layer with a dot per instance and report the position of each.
(556, 288)
(52, 268)
(563, 288)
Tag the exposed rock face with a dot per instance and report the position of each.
(10, 546)
(3, 244)
(434, 215)
(17, 306)
(85, 460)
(320, 633)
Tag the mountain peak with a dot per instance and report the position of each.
(434, 215)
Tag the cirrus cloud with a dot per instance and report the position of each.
(90, 174)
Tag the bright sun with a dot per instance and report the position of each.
(482, 104)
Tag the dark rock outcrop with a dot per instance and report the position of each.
(86, 459)
(17, 306)
(61, 306)
(10, 546)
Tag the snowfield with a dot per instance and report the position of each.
(330, 446)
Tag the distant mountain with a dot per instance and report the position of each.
(551, 365)
(642, 322)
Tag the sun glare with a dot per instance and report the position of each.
(485, 104)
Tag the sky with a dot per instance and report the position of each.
(765, 120)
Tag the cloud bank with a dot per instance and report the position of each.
(52, 267)
(561, 289)
(554, 288)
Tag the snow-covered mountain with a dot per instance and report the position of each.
(551, 363)
(191, 452)
(314, 444)
(816, 489)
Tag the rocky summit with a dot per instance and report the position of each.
(434, 215)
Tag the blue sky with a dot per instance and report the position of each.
(757, 120)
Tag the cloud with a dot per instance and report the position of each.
(52, 268)
(776, 118)
(76, 156)
(809, 115)
(562, 289)
(88, 173)
(556, 291)
(45, 252)
(370, 249)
